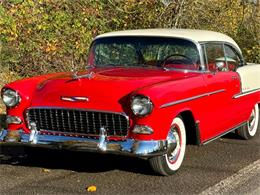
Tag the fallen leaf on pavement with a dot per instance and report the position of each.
(46, 170)
(91, 188)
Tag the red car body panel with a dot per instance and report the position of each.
(111, 90)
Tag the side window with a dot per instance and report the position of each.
(215, 57)
(232, 58)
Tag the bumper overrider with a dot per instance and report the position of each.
(129, 147)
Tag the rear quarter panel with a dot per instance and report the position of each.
(250, 90)
(250, 77)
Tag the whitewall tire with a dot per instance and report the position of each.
(253, 124)
(169, 163)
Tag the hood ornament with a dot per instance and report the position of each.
(74, 98)
(89, 75)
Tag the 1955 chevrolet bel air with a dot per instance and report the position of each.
(144, 93)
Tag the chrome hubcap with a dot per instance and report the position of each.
(174, 139)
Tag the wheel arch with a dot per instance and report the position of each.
(191, 126)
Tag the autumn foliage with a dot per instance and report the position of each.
(40, 36)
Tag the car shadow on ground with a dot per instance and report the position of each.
(70, 160)
(232, 135)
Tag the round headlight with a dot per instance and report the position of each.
(141, 105)
(10, 97)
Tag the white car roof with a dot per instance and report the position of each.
(190, 34)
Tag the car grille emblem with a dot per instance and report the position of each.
(74, 98)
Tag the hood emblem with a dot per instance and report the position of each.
(74, 98)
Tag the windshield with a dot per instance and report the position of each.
(156, 52)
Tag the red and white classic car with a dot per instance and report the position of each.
(144, 93)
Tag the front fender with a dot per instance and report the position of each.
(167, 99)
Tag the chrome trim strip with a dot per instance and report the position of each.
(246, 93)
(222, 134)
(186, 70)
(129, 147)
(191, 98)
(74, 98)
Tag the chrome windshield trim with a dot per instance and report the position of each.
(246, 93)
(197, 44)
(191, 98)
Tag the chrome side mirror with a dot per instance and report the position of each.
(220, 65)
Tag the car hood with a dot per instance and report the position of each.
(105, 89)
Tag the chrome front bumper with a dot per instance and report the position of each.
(130, 147)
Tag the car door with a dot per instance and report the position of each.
(238, 106)
(222, 84)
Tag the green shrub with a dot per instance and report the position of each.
(40, 36)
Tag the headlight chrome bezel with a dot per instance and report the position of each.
(14, 97)
(146, 101)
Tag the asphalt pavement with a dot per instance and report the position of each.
(227, 163)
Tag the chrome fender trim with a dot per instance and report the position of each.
(246, 93)
(192, 98)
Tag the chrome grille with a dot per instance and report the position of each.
(78, 121)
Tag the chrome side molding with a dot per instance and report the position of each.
(246, 93)
(191, 98)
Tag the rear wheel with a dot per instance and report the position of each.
(169, 163)
(249, 130)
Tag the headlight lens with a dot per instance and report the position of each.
(10, 97)
(141, 105)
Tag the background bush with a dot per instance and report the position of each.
(41, 36)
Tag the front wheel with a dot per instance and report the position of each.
(169, 163)
(249, 130)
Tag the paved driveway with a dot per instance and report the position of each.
(63, 172)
